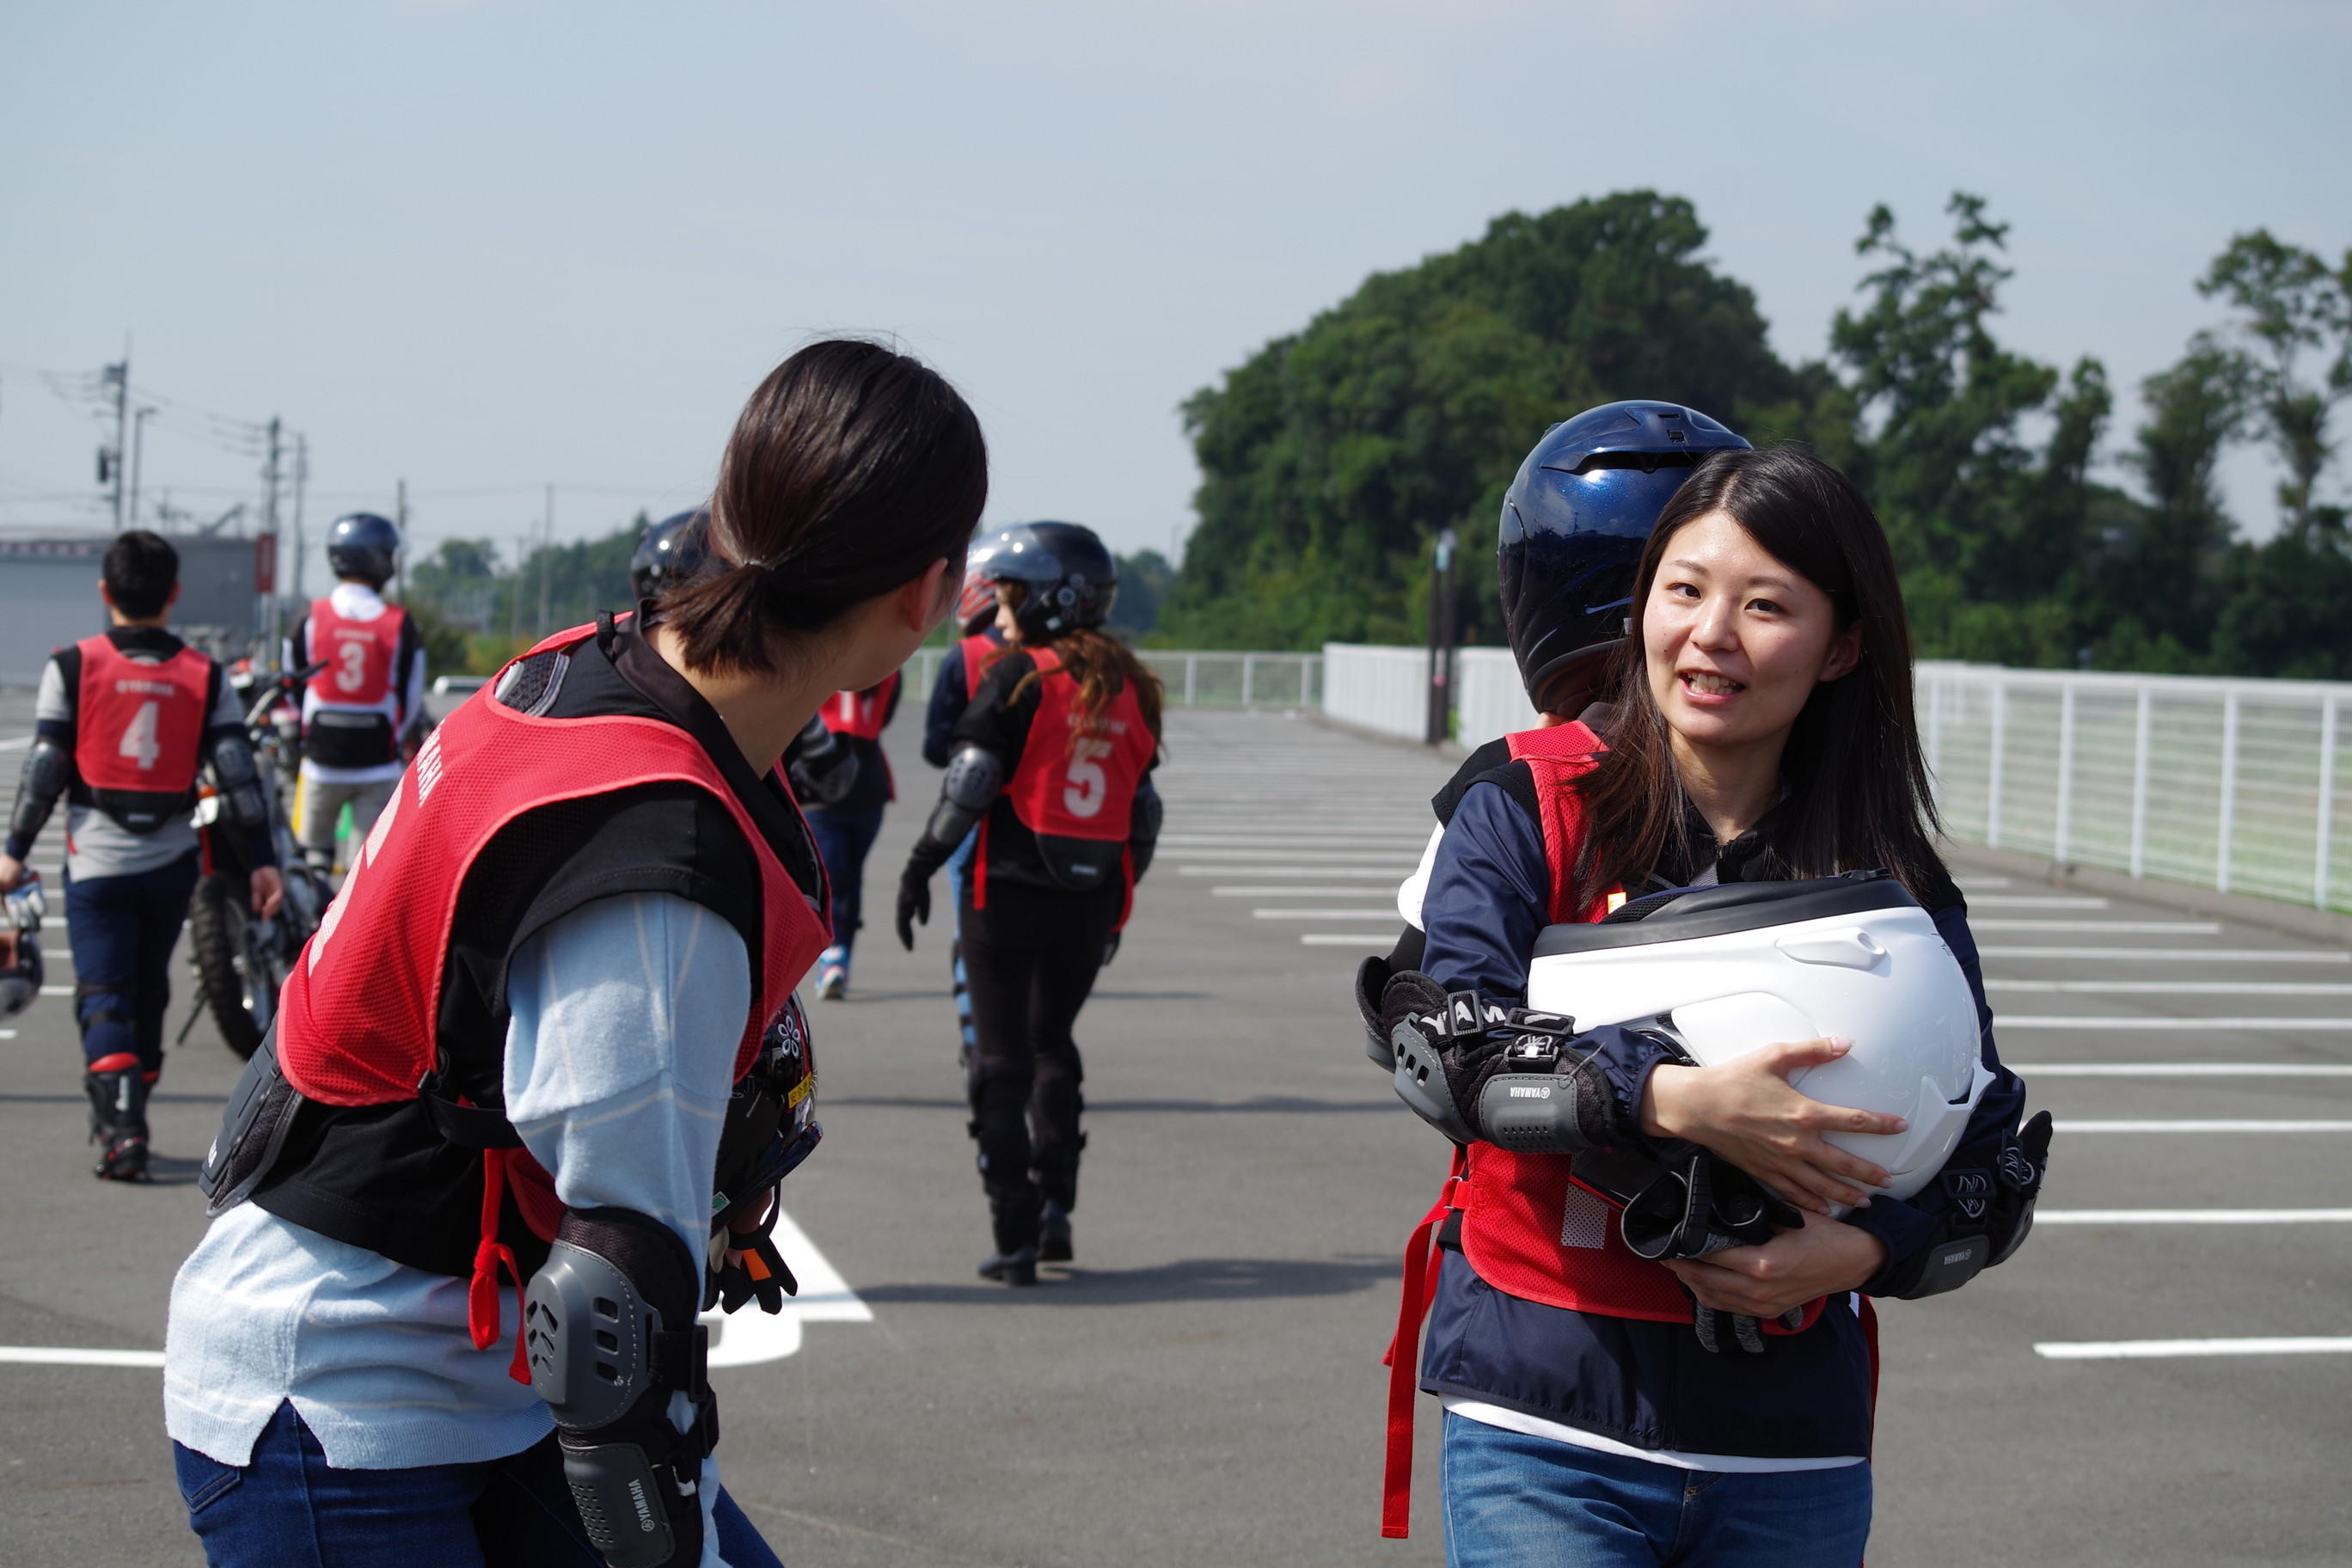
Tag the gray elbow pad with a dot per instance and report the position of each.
(240, 784)
(975, 778)
(48, 773)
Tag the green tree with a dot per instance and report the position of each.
(2289, 304)
(1331, 457)
(1144, 579)
(2163, 569)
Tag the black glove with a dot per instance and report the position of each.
(1110, 948)
(913, 902)
(753, 1269)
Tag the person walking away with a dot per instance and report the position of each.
(357, 713)
(123, 723)
(959, 673)
(846, 829)
(1606, 1407)
(1051, 772)
(525, 1107)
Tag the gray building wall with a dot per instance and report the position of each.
(48, 596)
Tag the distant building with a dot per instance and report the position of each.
(48, 596)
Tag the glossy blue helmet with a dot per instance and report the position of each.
(362, 545)
(671, 551)
(1070, 577)
(1574, 522)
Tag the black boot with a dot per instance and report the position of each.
(1012, 1212)
(1054, 1234)
(118, 1124)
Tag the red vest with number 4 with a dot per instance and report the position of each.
(139, 732)
(860, 715)
(1528, 1226)
(358, 1021)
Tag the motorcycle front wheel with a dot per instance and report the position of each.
(237, 972)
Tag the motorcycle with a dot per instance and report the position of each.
(240, 958)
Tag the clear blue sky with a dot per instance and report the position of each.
(487, 246)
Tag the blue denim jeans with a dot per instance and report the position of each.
(122, 930)
(287, 1509)
(843, 838)
(1515, 1501)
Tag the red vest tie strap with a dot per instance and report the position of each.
(1403, 1360)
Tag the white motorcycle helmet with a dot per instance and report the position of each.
(1722, 970)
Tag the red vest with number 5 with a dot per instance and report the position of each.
(1077, 775)
(139, 731)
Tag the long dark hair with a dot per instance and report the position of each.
(1858, 792)
(1102, 666)
(851, 469)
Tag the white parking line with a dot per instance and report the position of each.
(1367, 873)
(2181, 1069)
(2175, 955)
(2134, 1350)
(1285, 842)
(1359, 914)
(16, 742)
(2172, 1127)
(1379, 939)
(2058, 1021)
(2193, 1217)
(2178, 987)
(2111, 928)
(1280, 892)
(64, 1355)
(1365, 857)
(2033, 902)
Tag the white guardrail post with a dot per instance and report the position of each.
(2323, 848)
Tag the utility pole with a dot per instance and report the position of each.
(266, 547)
(1441, 639)
(546, 557)
(400, 522)
(137, 450)
(110, 463)
(301, 483)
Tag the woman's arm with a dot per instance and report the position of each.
(620, 1058)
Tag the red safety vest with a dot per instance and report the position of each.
(860, 715)
(979, 650)
(1076, 777)
(359, 657)
(1528, 1226)
(139, 731)
(358, 1018)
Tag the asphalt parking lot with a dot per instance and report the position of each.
(1203, 1386)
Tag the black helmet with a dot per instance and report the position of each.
(672, 551)
(20, 975)
(1071, 578)
(361, 544)
(1574, 522)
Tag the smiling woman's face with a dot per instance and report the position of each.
(1733, 641)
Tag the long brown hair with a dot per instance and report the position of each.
(1858, 787)
(850, 471)
(1101, 664)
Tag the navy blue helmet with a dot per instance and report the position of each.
(362, 545)
(1574, 522)
(672, 551)
(1071, 579)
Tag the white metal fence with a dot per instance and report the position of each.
(1380, 688)
(2231, 785)
(1195, 677)
(1490, 700)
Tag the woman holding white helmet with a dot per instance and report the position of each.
(1611, 1404)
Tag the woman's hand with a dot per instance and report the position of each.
(269, 891)
(1790, 1269)
(1745, 1111)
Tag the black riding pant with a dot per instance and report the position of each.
(1030, 959)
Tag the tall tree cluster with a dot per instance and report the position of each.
(1331, 457)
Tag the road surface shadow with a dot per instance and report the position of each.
(1187, 1279)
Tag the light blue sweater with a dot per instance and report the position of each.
(620, 1056)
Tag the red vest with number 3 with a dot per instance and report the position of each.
(358, 1018)
(1078, 776)
(139, 731)
(1528, 1226)
(359, 655)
